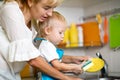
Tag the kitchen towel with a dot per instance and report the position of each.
(91, 34)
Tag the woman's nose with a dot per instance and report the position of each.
(49, 13)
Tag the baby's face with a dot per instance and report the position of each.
(57, 32)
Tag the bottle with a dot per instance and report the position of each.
(80, 36)
(73, 35)
(66, 38)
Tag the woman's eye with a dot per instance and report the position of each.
(47, 8)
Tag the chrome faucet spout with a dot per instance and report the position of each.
(104, 70)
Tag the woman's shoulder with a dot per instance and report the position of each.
(9, 5)
(11, 10)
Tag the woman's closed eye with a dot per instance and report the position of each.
(47, 7)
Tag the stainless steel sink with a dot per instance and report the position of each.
(96, 76)
(101, 79)
(93, 77)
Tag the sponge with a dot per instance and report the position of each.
(87, 65)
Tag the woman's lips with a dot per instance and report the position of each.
(43, 18)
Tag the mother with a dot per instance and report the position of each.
(16, 47)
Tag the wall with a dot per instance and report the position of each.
(91, 10)
(74, 15)
(0, 2)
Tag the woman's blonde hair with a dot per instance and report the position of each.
(25, 2)
(49, 22)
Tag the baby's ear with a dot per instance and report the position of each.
(47, 30)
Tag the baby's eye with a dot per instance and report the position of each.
(60, 32)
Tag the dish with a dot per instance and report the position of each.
(98, 64)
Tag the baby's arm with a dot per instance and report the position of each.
(75, 68)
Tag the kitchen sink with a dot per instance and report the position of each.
(96, 76)
(107, 78)
(102, 79)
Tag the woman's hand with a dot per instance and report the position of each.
(74, 59)
(78, 72)
(79, 69)
(79, 59)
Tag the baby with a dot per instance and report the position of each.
(51, 33)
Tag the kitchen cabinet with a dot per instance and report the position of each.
(27, 71)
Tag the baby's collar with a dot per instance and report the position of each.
(38, 38)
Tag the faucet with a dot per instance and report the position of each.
(104, 70)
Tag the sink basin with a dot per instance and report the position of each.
(101, 79)
(96, 77)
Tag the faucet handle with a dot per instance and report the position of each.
(99, 55)
(104, 70)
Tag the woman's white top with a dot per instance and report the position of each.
(48, 50)
(16, 45)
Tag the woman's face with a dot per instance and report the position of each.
(42, 10)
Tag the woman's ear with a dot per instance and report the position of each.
(47, 30)
(30, 3)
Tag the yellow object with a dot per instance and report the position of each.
(66, 38)
(98, 65)
(99, 19)
(73, 35)
(26, 71)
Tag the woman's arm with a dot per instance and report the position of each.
(75, 68)
(74, 59)
(43, 66)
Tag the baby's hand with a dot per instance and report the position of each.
(78, 70)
